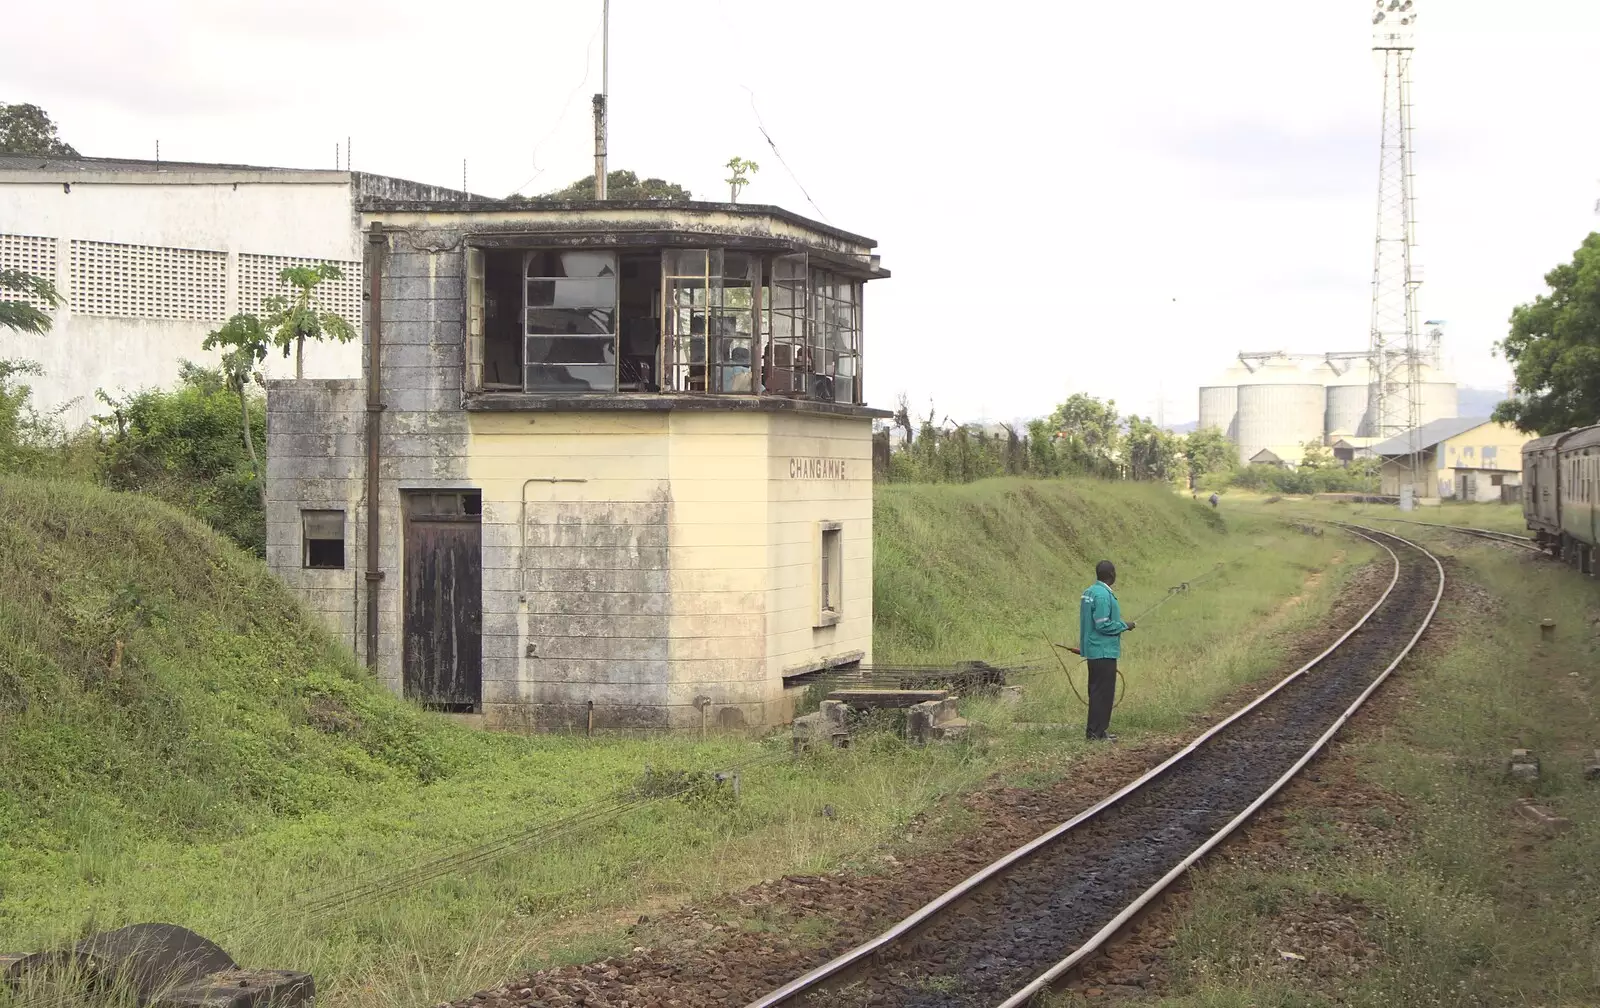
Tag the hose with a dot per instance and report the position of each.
(1172, 592)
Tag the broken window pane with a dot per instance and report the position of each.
(570, 322)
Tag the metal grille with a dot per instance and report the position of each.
(258, 280)
(147, 281)
(30, 254)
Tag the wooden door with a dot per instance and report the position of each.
(444, 600)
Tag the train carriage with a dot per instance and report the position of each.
(1561, 494)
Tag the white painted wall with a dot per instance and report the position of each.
(301, 214)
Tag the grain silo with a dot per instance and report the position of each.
(1438, 396)
(1436, 402)
(1346, 412)
(1219, 402)
(1282, 403)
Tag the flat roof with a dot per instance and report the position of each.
(50, 168)
(479, 205)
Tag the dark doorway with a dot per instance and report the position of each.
(444, 600)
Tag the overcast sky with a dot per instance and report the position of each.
(1103, 197)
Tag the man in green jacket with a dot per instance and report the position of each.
(1100, 630)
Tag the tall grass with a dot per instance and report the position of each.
(1465, 902)
(178, 743)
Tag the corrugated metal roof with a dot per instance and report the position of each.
(1428, 435)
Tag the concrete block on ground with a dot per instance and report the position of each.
(925, 721)
(1010, 696)
(825, 726)
(1591, 767)
(1523, 765)
(872, 699)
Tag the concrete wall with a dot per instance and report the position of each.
(316, 442)
(316, 460)
(804, 494)
(643, 560)
(1490, 446)
(637, 559)
(310, 216)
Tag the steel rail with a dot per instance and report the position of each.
(927, 912)
(1100, 937)
(1493, 535)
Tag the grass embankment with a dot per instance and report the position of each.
(178, 743)
(1457, 900)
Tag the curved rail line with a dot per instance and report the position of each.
(859, 960)
(1509, 538)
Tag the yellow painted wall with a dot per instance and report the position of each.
(725, 606)
(800, 503)
(1466, 451)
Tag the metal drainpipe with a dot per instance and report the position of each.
(377, 243)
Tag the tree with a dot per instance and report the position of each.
(1087, 434)
(21, 315)
(620, 185)
(27, 129)
(1151, 453)
(243, 342)
(740, 167)
(1554, 348)
(1316, 455)
(293, 320)
(1207, 451)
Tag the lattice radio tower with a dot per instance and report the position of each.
(1395, 400)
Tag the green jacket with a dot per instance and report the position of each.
(1100, 623)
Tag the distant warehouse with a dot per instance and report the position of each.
(150, 256)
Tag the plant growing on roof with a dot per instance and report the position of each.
(243, 341)
(294, 319)
(737, 181)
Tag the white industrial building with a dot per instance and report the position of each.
(1270, 405)
(151, 256)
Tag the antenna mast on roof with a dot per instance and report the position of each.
(600, 102)
(1395, 399)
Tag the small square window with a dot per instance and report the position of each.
(830, 574)
(323, 533)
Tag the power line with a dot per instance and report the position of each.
(779, 155)
(588, 59)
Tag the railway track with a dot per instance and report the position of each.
(1013, 929)
(1511, 539)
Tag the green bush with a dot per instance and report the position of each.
(186, 447)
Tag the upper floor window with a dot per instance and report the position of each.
(710, 321)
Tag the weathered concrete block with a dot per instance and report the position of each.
(1010, 696)
(924, 720)
(1522, 765)
(825, 726)
(1591, 767)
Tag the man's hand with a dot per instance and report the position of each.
(1132, 625)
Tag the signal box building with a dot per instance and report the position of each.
(608, 465)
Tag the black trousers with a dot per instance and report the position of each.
(1102, 693)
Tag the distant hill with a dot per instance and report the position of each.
(1471, 402)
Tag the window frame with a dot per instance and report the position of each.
(829, 555)
(306, 538)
